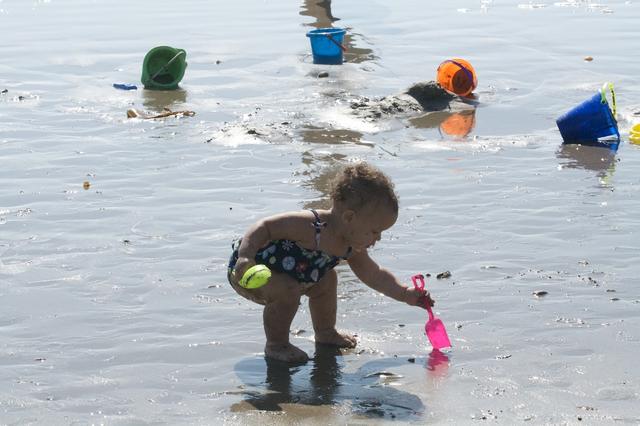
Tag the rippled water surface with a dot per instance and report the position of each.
(114, 303)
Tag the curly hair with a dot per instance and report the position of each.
(362, 185)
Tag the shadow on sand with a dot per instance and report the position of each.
(323, 382)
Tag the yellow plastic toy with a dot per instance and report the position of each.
(634, 134)
(255, 277)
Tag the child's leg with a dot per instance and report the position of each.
(280, 299)
(323, 299)
(282, 296)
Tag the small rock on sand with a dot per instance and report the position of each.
(442, 275)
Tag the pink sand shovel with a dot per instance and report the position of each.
(434, 327)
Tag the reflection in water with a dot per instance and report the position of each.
(322, 166)
(322, 381)
(321, 180)
(601, 160)
(438, 363)
(157, 100)
(321, 11)
(454, 124)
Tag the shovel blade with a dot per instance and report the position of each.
(437, 334)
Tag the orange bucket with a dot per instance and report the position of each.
(457, 76)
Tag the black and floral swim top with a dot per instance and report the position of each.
(286, 256)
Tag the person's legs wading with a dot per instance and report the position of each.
(282, 296)
(323, 300)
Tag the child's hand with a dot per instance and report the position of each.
(415, 297)
(242, 265)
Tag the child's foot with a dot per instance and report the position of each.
(334, 338)
(285, 352)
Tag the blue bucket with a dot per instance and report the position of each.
(592, 122)
(326, 45)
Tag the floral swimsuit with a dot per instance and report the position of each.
(286, 256)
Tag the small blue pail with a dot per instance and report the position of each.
(592, 122)
(326, 45)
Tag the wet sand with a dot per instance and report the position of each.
(115, 232)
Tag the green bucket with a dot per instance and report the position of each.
(163, 68)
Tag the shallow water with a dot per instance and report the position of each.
(115, 307)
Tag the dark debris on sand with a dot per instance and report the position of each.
(443, 275)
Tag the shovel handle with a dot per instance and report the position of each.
(430, 312)
(418, 281)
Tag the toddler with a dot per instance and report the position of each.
(302, 248)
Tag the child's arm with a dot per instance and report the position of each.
(380, 279)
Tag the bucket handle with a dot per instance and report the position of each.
(165, 66)
(462, 67)
(330, 37)
(603, 94)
